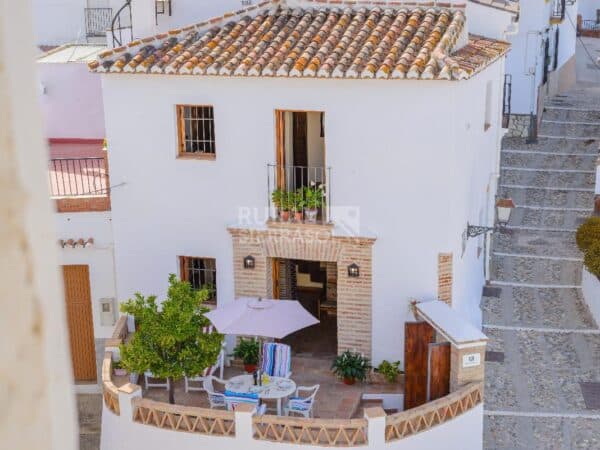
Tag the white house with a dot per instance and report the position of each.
(394, 112)
(71, 102)
(588, 9)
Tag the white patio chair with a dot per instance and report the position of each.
(209, 372)
(302, 405)
(160, 384)
(216, 399)
(233, 399)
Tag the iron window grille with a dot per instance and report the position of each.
(201, 273)
(97, 21)
(558, 9)
(196, 129)
(506, 100)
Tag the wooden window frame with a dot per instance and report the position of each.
(183, 273)
(181, 153)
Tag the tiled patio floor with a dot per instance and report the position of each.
(334, 400)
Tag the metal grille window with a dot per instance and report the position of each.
(196, 130)
(201, 273)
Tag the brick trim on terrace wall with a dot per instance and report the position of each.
(445, 277)
(82, 204)
(354, 295)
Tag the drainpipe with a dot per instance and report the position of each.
(532, 72)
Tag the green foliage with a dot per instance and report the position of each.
(588, 233)
(591, 259)
(312, 197)
(169, 341)
(278, 198)
(247, 351)
(351, 365)
(389, 370)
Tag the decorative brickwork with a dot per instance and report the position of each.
(82, 204)
(332, 276)
(445, 277)
(459, 375)
(354, 295)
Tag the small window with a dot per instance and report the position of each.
(201, 273)
(196, 129)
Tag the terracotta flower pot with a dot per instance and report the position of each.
(298, 216)
(284, 215)
(349, 381)
(250, 368)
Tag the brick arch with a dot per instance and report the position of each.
(354, 295)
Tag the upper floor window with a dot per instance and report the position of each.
(200, 273)
(196, 131)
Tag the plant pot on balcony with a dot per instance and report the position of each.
(297, 216)
(284, 216)
(311, 215)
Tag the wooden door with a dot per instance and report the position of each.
(417, 337)
(275, 275)
(79, 319)
(439, 370)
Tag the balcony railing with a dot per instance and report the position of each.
(591, 25)
(299, 194)
(558, 10)
(97, 21)
(78, 177)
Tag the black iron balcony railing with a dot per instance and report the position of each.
(299, 194)
(558, 10)
(78, 177)
(97, 21)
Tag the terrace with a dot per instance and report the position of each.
(78, 175)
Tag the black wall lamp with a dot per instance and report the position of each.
(504, 207)
(353, 270)
(249, 262)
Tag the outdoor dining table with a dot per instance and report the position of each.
(276, 388)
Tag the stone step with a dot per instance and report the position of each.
(536, 307)
(562, 112)
(514, 176)
(541, 243)
(547, 218)
(569, 128)
(535, 270)
(547, 161)
(546, 197)
(552, 145)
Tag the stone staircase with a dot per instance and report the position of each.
(533, 310)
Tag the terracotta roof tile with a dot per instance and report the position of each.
(329, 41)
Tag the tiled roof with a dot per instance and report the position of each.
(511, 6)
(324, 42)
(479, 53)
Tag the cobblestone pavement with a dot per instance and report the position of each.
(89, 407)
(537, 316)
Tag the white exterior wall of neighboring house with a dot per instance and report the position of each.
(71, 100)
(59, 21)
(99, 257)
(490, 22)
(413, 156)
(588, 9)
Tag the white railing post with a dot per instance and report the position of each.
(130, 323)
(376, 427)
(128, 392)
(243, 423)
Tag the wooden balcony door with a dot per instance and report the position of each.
(79, 320)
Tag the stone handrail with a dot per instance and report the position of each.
(413, 421)
(183, 418)
(121, 331)
(110, 392)
(322, 432)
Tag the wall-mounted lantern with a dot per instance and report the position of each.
(504, 207)
(249, 262)
(353, 271)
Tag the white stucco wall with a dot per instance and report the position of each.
(71, 100)
(465, 432)
(590, 286)
(488, 21)
(411, 155)
(99, 257)
(59, 21)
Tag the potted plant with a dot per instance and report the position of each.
(247, 351)
(389, 370)
(298, 205)
(351, 366)
(118, 370)
(313, 200)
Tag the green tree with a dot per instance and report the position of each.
(169, 340)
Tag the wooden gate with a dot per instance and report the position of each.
(417, 337)
(438, 382)
(79, 318)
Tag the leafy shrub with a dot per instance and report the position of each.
(389, 370)
(351, 366)
(588, 233)
(591, 259)
(247, 351)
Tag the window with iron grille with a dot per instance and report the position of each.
(196, 127)
(200, 273)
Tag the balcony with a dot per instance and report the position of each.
(558, 11)
(78, 177)
(97, 21)
(299, 194)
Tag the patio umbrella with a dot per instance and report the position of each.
(250, 316)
